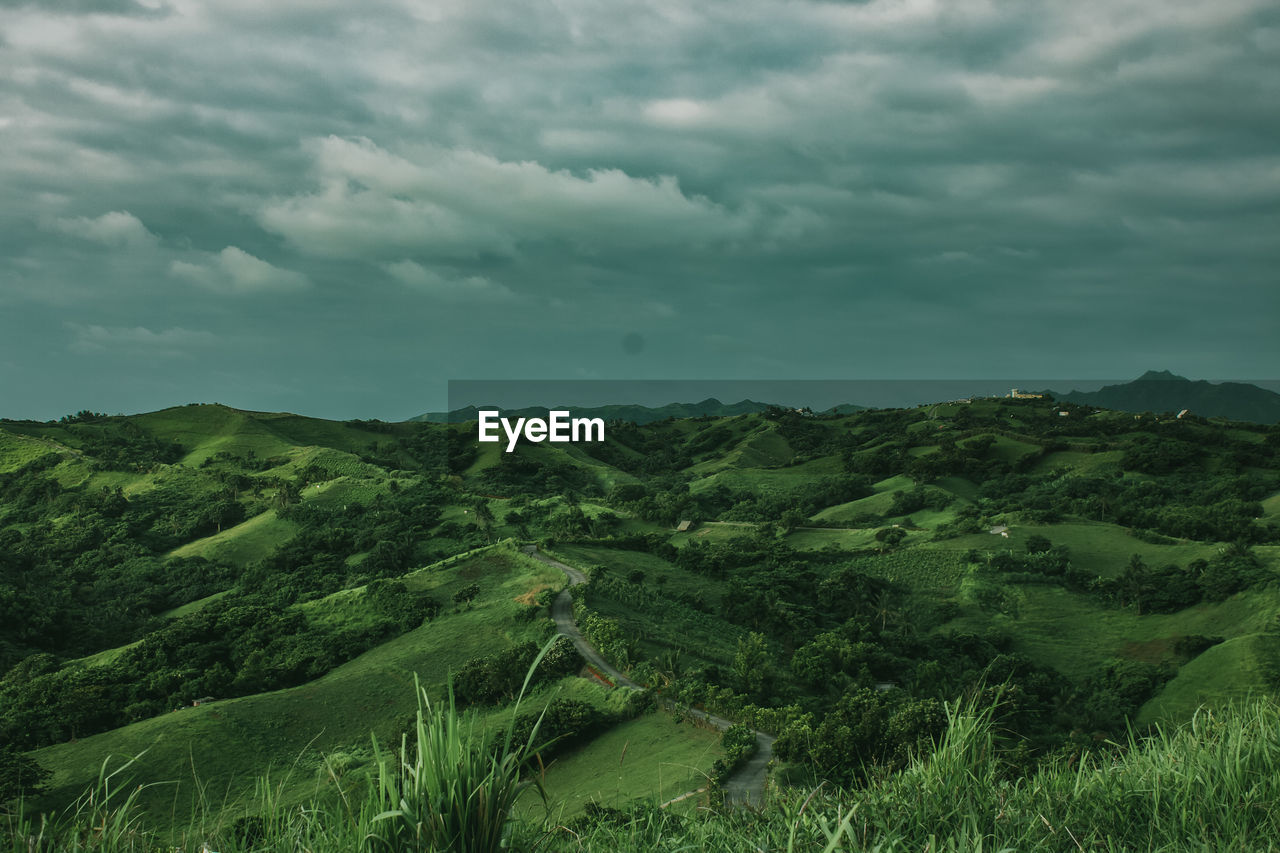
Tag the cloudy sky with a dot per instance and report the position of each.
(335, 207)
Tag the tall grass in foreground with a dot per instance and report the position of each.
(451, 787)
(1211, 785)
(104, 818)
(454, 790)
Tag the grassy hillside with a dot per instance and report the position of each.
(651, 758)
(245, 542)
(839, 583)
(226, 743)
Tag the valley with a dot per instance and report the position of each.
(238, 598)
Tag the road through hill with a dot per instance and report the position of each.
(746, 785)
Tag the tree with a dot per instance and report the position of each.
(466, 595)
(885, 606)
(862, 730)
(484, 515)
(1038, 544)
(287, 495)
(817, 663)
(890, 536)
(1133, 582)
(20, 776)
(750, 668)
(791, 519)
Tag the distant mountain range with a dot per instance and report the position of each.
(1153, 391)
(1162, 391)
(634, 413)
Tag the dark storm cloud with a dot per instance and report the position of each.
(86, 7)
(334, 208)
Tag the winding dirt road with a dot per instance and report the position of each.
(746, 785)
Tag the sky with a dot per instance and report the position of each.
(334, 208)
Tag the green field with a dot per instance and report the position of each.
(652, 756)
(812, 539)
(1080, 463)
(17, 450)
(206, 430)
(1074, 633)
(192, 606)
(1228, 672)
(714, 531)
(751, 448)
(250, 540)
(1101, 549)
(1010, 450)
(875, 504)
(765, 478)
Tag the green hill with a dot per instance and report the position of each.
(836, 580)
(1162, 391)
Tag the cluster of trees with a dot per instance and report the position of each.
(565, 724)
(559, 519)
(20, 775)
(390, 535)
(972, 460)
(116, 444)
(605, 634)
(237, 645)
(1042, 562)
(517, 473)
(1167, 589)
(918, 498)
(864, 730)
(1171, 588)
(863, 682)
(393, 601)
(97, 577)
(1222, 508)
(498, 677)
(653, 449)
(784, 506)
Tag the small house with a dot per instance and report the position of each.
(684, 526)
(999, 530)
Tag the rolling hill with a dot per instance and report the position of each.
(853, 565)
(1162, 391)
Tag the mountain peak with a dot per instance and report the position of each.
(1162, 391)
(1161, 375)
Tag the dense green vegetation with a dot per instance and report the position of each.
(1211, 785)
(839, 586)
